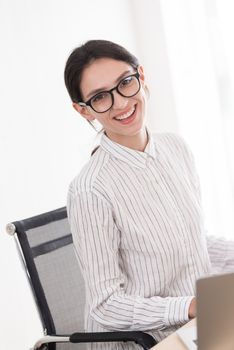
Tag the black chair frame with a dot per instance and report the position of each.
(27, 255)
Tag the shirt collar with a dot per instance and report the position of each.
(132, 157)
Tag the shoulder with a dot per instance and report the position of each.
(169, 138)
(172, 143)
(85, 181)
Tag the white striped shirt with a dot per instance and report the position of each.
(138, 230)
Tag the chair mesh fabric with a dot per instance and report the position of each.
(48, 232)
(61, 280)
(49, 250)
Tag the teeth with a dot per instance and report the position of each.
(126, 115)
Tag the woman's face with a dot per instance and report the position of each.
(104, 74)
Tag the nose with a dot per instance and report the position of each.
(120, 102)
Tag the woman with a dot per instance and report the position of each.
(134, 210)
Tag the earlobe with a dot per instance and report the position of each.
(83, 111)
(75, 106)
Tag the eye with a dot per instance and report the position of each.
(126, 81)
(100, 97)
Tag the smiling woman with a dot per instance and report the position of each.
(124, 116)
(111, 81)
(135, 209)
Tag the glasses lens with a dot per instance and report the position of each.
(101, 102)
(129, 86)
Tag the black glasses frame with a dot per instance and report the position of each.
(88, 103)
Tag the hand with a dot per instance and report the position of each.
(192, 312)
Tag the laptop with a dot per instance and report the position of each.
(215, 315)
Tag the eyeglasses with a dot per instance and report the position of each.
(104, 100)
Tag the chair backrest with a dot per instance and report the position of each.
(51, 263)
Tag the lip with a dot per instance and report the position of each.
(129, 119)
(124, 112)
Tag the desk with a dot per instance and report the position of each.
(173, 341)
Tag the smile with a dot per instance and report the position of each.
(126, 115)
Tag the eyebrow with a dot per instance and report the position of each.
(94, 92)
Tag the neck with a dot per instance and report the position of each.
(137, 142)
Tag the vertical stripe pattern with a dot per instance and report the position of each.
(137, 226)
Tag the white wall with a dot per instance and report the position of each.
(150, 33)
(43, 141)
(198, 73)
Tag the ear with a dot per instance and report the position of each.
(83, 111)
(142, 74)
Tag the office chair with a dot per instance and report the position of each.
(46, 249)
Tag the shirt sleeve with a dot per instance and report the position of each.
(221, 252)
(97, 241)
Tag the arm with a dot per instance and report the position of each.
(221, 252)
(97, 240)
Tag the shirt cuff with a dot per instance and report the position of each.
(176, 312)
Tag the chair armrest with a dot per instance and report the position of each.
(140, 338)
(50, 339)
